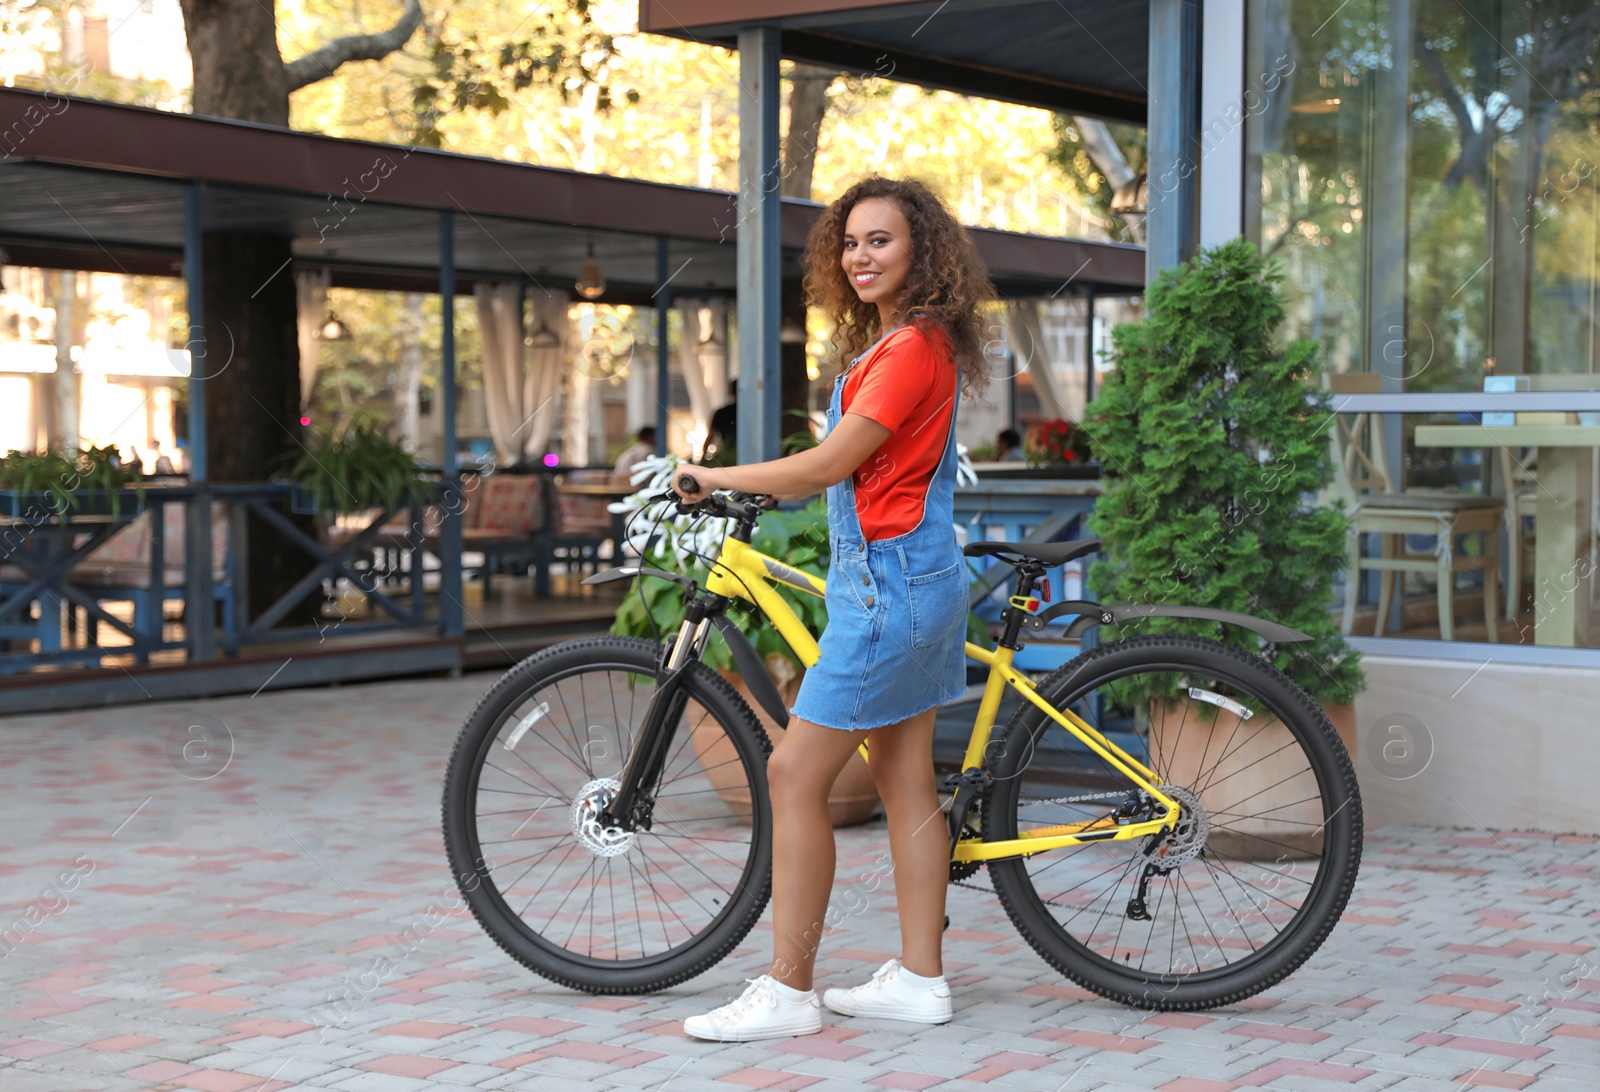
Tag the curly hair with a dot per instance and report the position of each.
(946, 284)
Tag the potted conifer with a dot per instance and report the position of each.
(1214, 446)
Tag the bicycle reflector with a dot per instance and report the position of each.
(1029, 603)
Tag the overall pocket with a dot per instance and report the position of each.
(938, 605)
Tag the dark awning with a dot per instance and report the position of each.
(91, 185)
(1072, 56)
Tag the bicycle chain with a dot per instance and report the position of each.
(1055, 800)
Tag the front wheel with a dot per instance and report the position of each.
(1259, 866)
(588, 905)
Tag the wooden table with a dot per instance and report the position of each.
(1562, 571)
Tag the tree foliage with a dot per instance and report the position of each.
(1215, 447)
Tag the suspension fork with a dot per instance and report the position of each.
(630, 809)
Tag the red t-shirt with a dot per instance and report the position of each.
(907, 385)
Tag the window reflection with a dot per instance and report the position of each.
(1483, 533)
(1426, 172)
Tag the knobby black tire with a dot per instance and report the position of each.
(1341, 834)
(475, 877)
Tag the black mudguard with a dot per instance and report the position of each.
(756, 675)
(1091, 615)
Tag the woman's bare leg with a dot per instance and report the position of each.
(800, 773)
(901, 758)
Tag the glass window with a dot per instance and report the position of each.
(1442, 500)
(1426, 172)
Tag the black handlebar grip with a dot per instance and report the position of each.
(688, 484)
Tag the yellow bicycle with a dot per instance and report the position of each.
(607, 818)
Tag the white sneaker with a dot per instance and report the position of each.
(759, 1013)
(889, 995)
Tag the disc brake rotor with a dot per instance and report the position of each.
(1188, 835)
(592, 834)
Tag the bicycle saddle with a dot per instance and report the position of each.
(1046, 553)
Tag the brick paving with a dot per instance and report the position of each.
(266, 907)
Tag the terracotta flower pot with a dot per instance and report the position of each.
(1263, 777)
(854, 797)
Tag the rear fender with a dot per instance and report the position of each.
(1091, 615)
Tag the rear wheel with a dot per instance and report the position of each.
(1263, 857)
(593, 907)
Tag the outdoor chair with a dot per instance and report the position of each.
(1521, 482)
(120, 570)
(584, 522)
(508, 523)
(1375, 507)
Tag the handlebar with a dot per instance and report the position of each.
(746, 507)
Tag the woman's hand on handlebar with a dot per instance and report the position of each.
(694, 484)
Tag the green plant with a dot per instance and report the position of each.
(1215, 447)
(66, 477)
(801, 440)
(38, 472)
(361, 468)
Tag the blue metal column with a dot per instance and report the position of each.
(1174, 96)
(451, 609)
(760, 379)
(663, 379)
(198, 609)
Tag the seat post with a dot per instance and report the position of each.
(1028, 576)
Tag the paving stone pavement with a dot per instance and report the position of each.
(250, 894)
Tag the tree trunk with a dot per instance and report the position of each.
(238, 71)
(252, 363)
(808, 105)
(252, 391)
(408, 385)
(69, 322)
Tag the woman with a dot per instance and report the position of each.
(902, 281)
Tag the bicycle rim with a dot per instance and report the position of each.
(588, 899)
(1257, 870)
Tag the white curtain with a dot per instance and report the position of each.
(703, 359)
(548, 323)
(1025, 332)
(575, 410)
(688, 357)
(500, 327)
(714, 350)
(311, 304)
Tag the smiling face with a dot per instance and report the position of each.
(877, 254)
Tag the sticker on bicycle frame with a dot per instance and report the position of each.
(525, 723)
(1217, 699)
(793, 577)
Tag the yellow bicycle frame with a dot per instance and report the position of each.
(744, 572)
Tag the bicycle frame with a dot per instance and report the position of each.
(744, 572)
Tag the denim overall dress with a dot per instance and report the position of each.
(897, 607)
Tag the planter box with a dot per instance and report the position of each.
(1013, 472)
(42, 506)
(1263, 768)
(853, 799)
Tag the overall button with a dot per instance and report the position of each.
(866, 580)
(869, 600)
